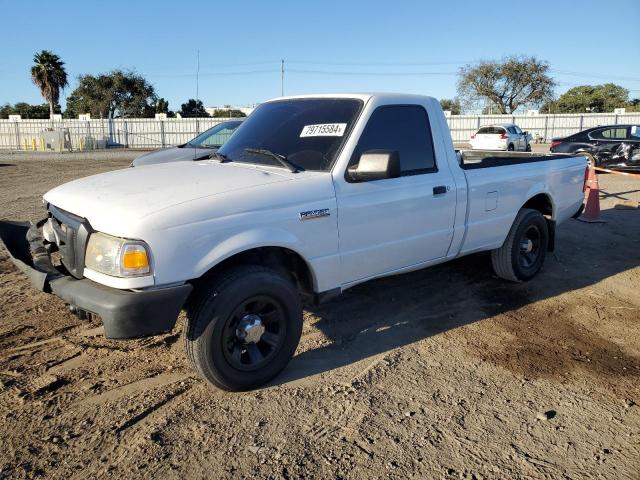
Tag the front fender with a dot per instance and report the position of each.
(250, 239)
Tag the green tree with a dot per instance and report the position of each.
(162, 106)
(49, 75)
(634, 105)
(26, 110)
(228, 113)
(193, 108)
(114, 94)
(589, 98)
(508, 84)
(452, 105)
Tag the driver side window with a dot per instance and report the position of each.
(405, 129)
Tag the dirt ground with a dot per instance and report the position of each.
(444, 373)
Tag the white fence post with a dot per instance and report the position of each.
(125, 127)
(17, 127)
(546, 127)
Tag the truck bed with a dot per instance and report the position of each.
(495, 196)
(473, 159)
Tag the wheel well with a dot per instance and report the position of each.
(542, 203)
(281, 259)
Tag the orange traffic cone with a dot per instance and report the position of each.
(591, 212)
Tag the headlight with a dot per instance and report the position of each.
(117, 257)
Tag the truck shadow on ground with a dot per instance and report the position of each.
(379, 316)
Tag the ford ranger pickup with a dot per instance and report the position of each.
(310, 196)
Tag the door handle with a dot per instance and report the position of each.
(440, 190)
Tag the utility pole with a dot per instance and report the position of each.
(282, 78)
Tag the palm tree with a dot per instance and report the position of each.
(50, 77)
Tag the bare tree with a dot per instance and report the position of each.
(508, 84)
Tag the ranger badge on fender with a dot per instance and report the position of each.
(311, 214)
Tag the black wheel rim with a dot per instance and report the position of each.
(271, 327)
(529, 247)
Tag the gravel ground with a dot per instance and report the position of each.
(443, 373)
(99, 155)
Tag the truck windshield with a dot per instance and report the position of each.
(307, 132)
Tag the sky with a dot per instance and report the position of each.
(327, 46)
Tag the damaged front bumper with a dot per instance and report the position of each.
(124, 313)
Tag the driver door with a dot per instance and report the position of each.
(393, 223)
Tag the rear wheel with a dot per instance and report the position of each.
(244, 327)
(521, 256)
(510, 147)
(528, 149)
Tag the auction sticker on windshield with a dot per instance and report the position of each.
(324, 130)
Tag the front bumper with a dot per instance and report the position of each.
(125, 314)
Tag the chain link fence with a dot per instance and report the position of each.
(149, 133)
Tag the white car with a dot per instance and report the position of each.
(313, 195)
(505, 136)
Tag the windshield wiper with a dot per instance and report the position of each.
(281, 159)
(221, 157)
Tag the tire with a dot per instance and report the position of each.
(222, 318)
(510, 147)
(528, 148)
(521, 256)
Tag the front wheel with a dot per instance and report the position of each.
(244, 327)
(510, 148)
(522, 254)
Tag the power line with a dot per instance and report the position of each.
(594, 75)
(382, 64)
(211, 74)
(332, 72)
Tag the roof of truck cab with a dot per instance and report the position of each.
(385, 96)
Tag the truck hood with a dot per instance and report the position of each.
(134, 193)
(173, 154)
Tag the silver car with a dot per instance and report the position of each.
(197, 149)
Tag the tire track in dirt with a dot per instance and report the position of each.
(132, 388)
(153, 409)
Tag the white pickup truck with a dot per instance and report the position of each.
(310, 196)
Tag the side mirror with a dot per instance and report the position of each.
(375, 165)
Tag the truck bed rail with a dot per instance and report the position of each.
(474, 159)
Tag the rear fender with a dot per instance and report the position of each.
(540, 189)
